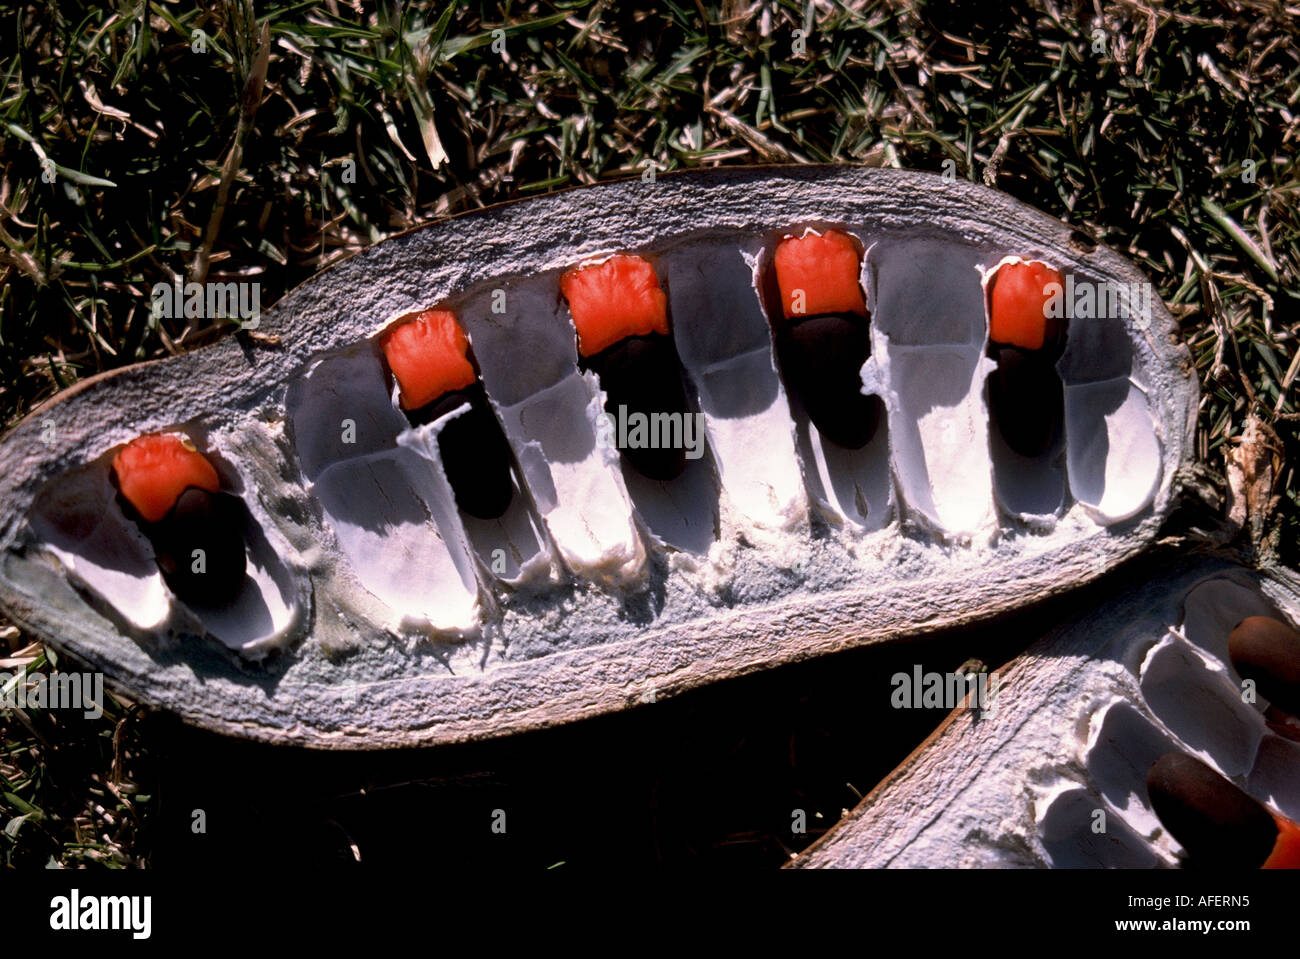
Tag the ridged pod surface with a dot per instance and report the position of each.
(376, 613)
(1076, 722)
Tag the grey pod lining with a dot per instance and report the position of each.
(776, 548)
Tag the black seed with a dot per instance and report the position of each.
(212, 523)
(1217, 823)
(474, 450)
(1268, 651)
(643, 374)
(821, 361)
(1026, 399)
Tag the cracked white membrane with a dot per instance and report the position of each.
(1112, 443)
(549, 411)
(386, 501)
(849, 487)
(100, 548)
(929, 331)
(113, 563)
(723, 342)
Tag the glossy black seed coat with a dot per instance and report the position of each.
(1268, 651)
(1214, 821)
(474, 450)
(201, 521)
(1026, 399)
(1026, 396)
(821, 361)
(644, 375)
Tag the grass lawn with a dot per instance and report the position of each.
(147, 141)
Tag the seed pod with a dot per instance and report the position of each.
(821, 357)
(781, 545)
(1085, 759)
(173, 492)
(1018, 301)
(429, 356)
(823, 340)
(475, 455)
(642, 375)
(1217, 823)
(200, 547)
(621, 319)
(152, 471)
(1268, 651)
(1026, 398)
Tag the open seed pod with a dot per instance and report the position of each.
(1053, 771)
(378, 610)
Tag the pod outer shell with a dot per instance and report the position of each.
(410, 272)
(979, 791)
